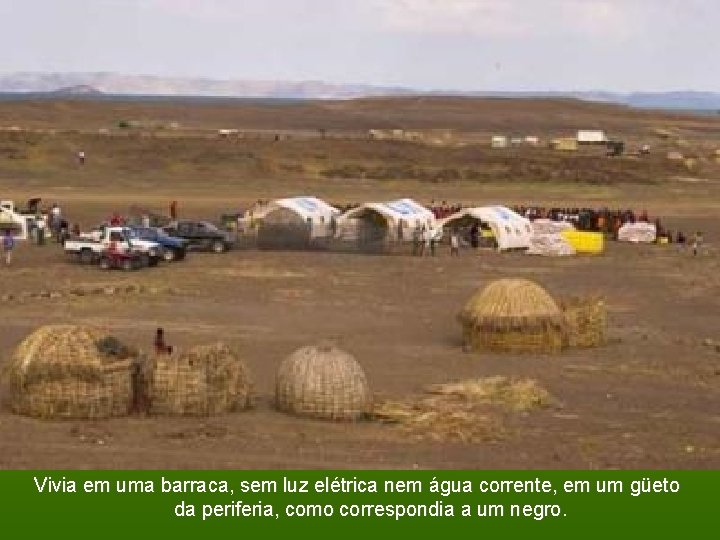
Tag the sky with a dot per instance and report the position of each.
(471, 45)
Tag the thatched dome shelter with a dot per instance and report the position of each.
(586, 321)
(513, 315)
(68, 371)
(204, 381)
(323, 382)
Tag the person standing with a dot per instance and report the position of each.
(55, 218)
(8, 244)
(40, 226)
(433, 237)
(697, 243)
(416, 240)
(81, 157)
(173, 210)
(454, 243)
(160, 346)
(475, 236)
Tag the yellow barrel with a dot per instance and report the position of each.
(585, 242)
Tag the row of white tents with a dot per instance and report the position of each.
(389, 221)
(400, 221)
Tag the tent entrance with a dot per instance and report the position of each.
(284, 229)
(373, 230)
(473, 232)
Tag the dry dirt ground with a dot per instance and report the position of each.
(650, 398)
(647, 399)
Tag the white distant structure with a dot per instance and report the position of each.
(591, 136)
(227, 132)
(499, 141)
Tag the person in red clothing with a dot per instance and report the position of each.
(173, 210)
(160, 346)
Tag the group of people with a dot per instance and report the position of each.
(52, 220)
(443, 210)
(609, 222)
(603, 220)
(588, 219)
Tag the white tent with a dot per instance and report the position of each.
(640, 232)
(310, 209)
(511, 230)
(399, 220)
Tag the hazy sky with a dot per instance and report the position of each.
(428, 44)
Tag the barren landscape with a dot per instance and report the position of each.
(647, 399)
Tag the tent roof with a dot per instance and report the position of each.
(489, 214)
(304, 206)
(399, 209)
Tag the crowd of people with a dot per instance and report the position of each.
(443, 210)
(605, 220)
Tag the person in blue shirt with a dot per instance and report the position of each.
(8, 244)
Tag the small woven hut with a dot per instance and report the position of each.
(513, 315)
(586, 321)
(67, 371)
(323, 382)
(204, 381)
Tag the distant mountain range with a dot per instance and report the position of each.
(97, 84)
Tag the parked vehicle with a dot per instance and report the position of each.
(174, 249)
(125, 260)
(89, 247)
(201, 235)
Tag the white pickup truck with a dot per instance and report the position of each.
(88, 247)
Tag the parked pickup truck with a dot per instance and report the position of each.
(201, 235)
(174, 249)
(89, 247)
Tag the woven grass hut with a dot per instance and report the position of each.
(323, 382)
(513, 315)
(204, 381)
(67, 371)
(586, 321)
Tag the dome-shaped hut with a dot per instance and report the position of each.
(513, 315)
(323, 382)
(204, 381)
(586, 321)
(68, 371)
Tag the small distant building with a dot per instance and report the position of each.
(532, 140)
(565, 144)
(516, 141)
(499, 141)
(591, 136)
(226, 133)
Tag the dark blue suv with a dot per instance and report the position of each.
(174, 249)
